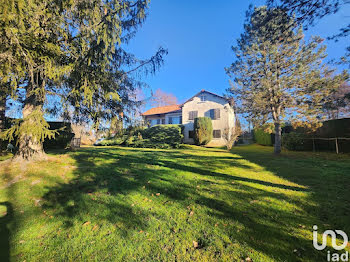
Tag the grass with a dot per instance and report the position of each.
(190, 204)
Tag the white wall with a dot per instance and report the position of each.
(227, 118)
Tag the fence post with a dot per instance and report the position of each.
(336, 145)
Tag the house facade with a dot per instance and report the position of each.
(202, 104)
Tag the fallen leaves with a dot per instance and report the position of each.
(87, 223)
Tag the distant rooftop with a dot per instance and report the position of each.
(162, 110)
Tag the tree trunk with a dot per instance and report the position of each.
(30, 147)
(278, 138)
(2, 119)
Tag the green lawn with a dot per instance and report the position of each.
(191, 204)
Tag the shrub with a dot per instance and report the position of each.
(262, 137)
(293, 141)
(62, 138)
(203, 130)
(116, 141)
(159, 136)
(162, 136)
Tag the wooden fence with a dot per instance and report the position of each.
(335, 139)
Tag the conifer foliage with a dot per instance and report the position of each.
(74, 50)
(277, 74)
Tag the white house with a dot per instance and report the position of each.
(204, 103)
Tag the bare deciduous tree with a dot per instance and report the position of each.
(230, 135)
(161, 98)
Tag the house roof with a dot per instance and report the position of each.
(174, 108)
(203, 91)
(162, 110)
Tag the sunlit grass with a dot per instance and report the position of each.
(191, 204)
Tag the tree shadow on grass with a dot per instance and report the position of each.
(105, 177)
(6, 219)
(328, 181)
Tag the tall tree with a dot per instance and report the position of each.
(276, 73)
(74, 50)
(3, 96)
(310, 11)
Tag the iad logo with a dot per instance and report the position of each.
(333, 235)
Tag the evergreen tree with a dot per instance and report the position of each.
(309, 12)
(74, 50)
(276, 73)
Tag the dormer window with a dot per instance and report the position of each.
(203, 98)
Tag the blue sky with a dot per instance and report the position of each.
(199, 36)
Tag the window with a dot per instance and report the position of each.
(203, 98)
(175, 120)
(191, 134)
(153, 122)
(215, 114)
(158, 121)
(192, 115)
(217, 133)
(163, 121)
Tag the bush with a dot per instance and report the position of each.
(262, 138)
(163, 136)
(159, 136)
(203, 130)
(293, 141)
(116, 141)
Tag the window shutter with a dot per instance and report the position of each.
(192, 115)
(217, 113)
(211, 113)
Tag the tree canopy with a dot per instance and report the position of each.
(277, 74)
(309, 12)
(73, 50)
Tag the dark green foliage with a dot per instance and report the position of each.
(203, 130)
(262, 137)
(300, 139)
(293, 141)
(73, 51)
(62, 138)
(277, 72)
(164, 134)
(335, 128)
(159, 136)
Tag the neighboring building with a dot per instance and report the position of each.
(202, 104)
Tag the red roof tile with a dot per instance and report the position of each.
(162, 110)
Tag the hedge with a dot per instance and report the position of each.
(300, 139)
(203, 130)
(158, 136)
(293, 141)
(262, 138)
